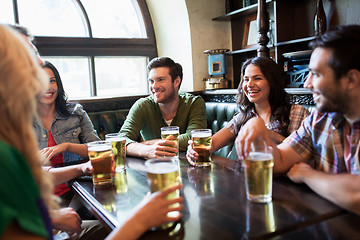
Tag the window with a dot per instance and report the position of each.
(7, 13)
(100, 48)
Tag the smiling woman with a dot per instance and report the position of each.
(62, 129)
(261, 93)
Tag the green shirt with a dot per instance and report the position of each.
(145, 118)
(19, 194)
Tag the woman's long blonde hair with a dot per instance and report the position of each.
(22, 81)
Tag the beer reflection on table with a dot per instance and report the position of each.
(114, 195)
(106, 195)
(120, 182)
(259, 219)
(202, 180)
(175, 232)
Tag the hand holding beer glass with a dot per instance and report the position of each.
(101, 157)
(163, 173)
(118, 142)
(259, 172)
(201, 144)
(171, 133)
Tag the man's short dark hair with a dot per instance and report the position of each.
(344, 43)
(175, 69)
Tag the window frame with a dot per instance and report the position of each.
(93, 47)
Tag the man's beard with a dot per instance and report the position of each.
(333, 102)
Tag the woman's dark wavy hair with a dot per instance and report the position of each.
(62, 106)
(278, 98)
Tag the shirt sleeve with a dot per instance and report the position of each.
(301, 139)
(233, 125)
(197, 120)
(297, 114)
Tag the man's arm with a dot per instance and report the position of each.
(151, 149)
(341, 189)
(284, 155)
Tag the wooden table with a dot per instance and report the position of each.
(215, 206)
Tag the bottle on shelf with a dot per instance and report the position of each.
(319, 19)
(228, 6)
(333, 17)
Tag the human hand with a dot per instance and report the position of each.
(153, 210)
(253, 129)
(67, 220)
(298, 172)
(191, 154)
(51, 152)
(160, 148)
(86, 168)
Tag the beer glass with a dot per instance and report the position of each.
(171, 133)
(163, 173)
(259, 172)
(202, 145)
(101, 158)
(118, 142)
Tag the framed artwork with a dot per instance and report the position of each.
(250, 36)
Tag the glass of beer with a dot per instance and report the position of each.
(118, 142)
(171, 133)
(101, 157)
(202, 145)
(163, 173)
(259, 172)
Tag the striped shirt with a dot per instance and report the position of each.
(320, 140)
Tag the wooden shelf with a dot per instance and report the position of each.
(242, 51)
(239, 12)
(300, 40)
(245, 50)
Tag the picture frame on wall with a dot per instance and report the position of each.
(250, 36)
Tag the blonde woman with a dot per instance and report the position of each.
(26, 193)
(26, 197)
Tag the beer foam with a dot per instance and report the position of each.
(162, 167)
(259, 156)
(201, 134)
(170, 132)
(116, 139)
(99, 148)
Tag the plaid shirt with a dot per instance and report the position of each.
(297, 114)
(320, 140)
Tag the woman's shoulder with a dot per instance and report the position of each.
(299, 108)
(75, 109)
(298, 113)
